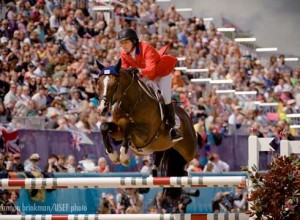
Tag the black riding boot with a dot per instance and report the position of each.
(175, 133)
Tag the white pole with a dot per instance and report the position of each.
(122, 182)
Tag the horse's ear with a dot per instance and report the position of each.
(118, 66)
(100, 66)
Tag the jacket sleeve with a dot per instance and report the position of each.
(151, 57)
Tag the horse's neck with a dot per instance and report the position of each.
(132, 91)
(129, 89)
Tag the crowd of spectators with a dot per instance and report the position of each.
(48, 53)
(47, 63)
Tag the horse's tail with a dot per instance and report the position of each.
(173, 164)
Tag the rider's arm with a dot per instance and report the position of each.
(125, 63)
(151, 57)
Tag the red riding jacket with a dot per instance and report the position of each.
(152, 63)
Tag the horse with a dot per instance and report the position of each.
(137, 122)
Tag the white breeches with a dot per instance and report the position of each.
(165, 85)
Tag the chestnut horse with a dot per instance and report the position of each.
(137, 122)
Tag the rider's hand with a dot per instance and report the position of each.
(134, 70)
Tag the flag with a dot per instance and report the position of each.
(78, 138)
(10, 140)
(229, 24)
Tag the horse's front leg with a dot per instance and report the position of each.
(157, 163)
(106, 128)
(124, 156)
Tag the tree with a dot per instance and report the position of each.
(275, 194)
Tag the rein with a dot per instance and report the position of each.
(124, 94)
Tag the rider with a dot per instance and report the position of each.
(142, 58)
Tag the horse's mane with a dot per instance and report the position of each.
(140, 83)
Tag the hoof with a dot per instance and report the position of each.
(124, 158)
(114, 157)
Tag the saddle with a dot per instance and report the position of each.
(153, 91)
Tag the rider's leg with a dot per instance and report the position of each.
(165, 85)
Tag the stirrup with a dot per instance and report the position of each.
(175, 134)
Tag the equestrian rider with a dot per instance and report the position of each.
(142, 58)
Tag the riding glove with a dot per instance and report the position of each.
(134, 70)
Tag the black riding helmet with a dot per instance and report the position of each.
(128, 34)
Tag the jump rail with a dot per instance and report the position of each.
(122, 182)
(229, 216)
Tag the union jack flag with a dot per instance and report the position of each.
(79, 138)
(11, 140)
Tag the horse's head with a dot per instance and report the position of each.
(107, 86)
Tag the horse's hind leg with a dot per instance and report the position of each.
(106, 128)
(124, 156)
(173, 164)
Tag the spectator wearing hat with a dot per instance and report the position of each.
(34, 163)
(64, 94)
(52, 121)
(17, 164)
(52, 93)
(286, 94)
(291, 107)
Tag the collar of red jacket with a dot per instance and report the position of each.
(137, 49)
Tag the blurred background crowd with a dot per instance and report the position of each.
(48, 53)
